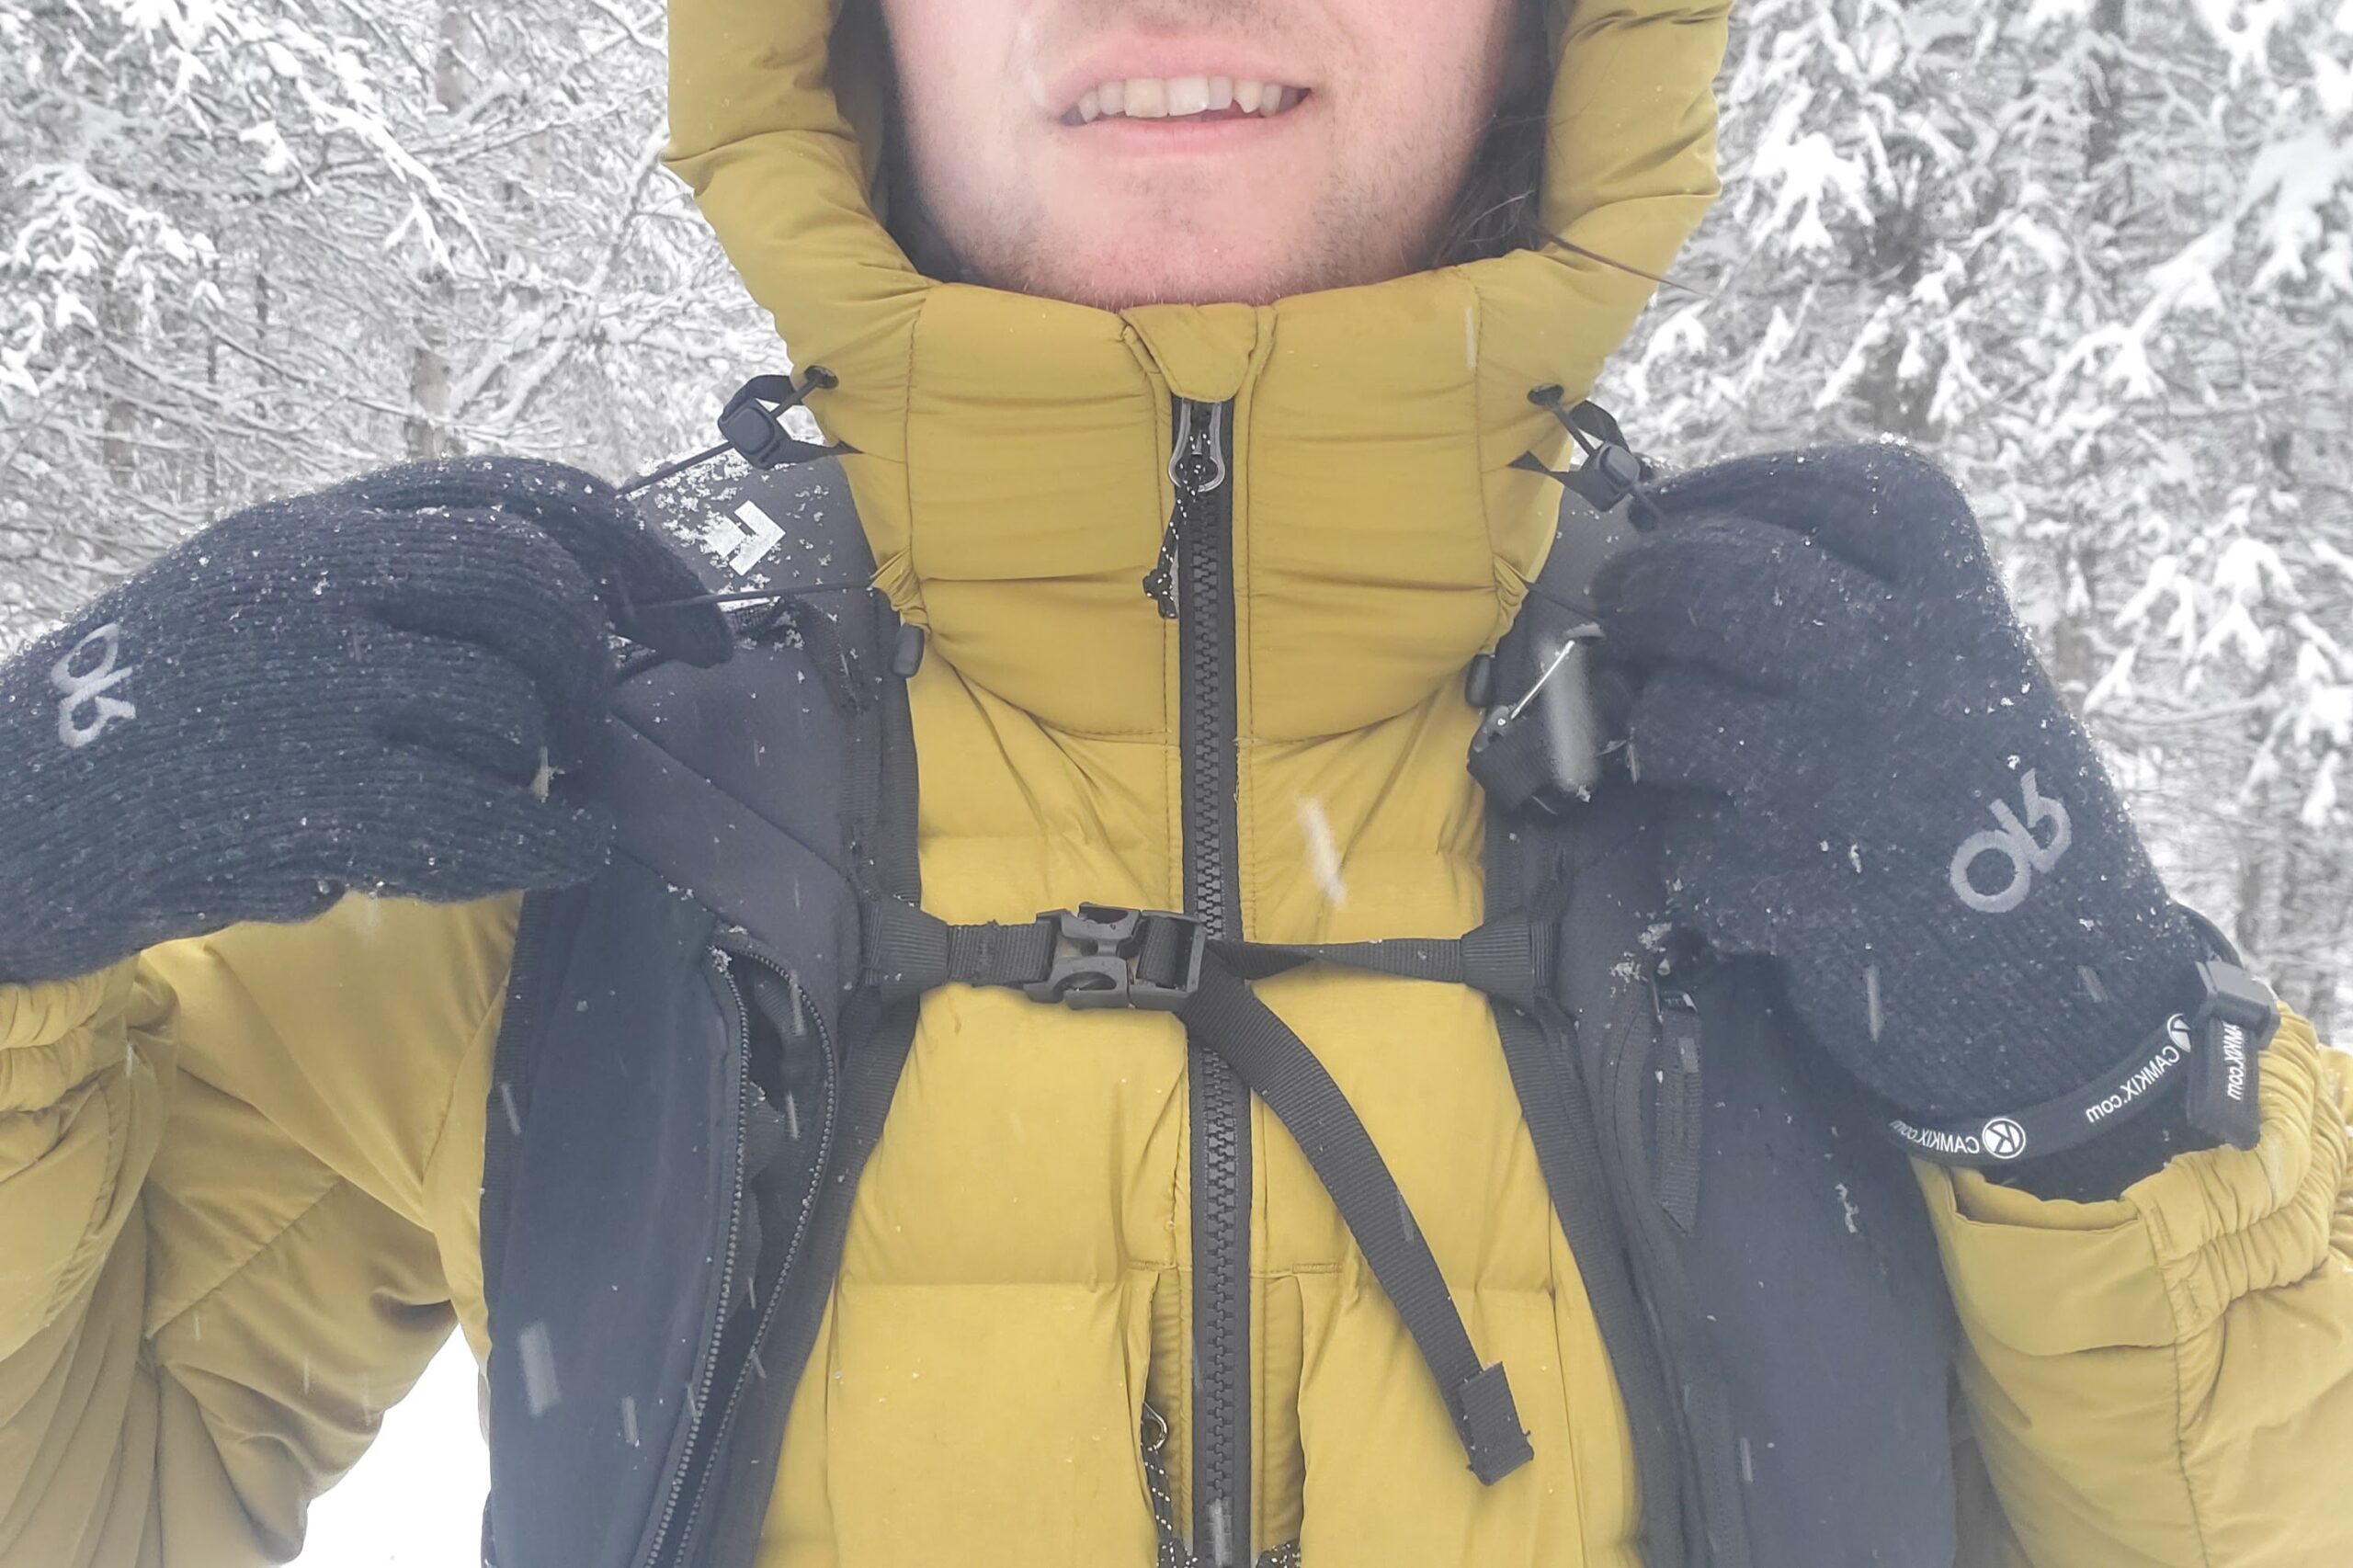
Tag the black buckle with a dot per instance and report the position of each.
(1097, 950)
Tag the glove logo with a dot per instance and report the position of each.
(2004, 1138)
(2014, 841)
(87, 689)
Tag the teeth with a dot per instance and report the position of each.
(1152, 98)
(1147, 99)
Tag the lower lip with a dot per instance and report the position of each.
(1123, 134)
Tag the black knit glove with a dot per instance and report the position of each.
(1875, 783)
(353, 689)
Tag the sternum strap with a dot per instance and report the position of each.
(1102, 956)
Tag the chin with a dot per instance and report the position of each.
(1113, 274)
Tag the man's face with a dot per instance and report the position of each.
(1123, 152)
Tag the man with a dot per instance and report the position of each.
(1191, 458)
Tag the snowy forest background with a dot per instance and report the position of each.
(2094, 254)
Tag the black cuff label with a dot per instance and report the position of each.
(2216, 1050)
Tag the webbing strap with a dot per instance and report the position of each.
(1508, 958)
(910, 951)
(1094, 956)
(1101, 956)
(1227, 1017)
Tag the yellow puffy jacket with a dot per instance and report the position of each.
(239, 1173)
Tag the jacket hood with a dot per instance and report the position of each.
(1010, 442)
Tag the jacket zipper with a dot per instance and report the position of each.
(706, 1429)
(1193, 571)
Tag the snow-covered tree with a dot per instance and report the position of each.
(250, 245)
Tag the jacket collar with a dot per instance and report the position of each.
(1013, 451)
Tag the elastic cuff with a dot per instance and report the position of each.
(2052, 1277)
(48, 1043)
(2227, 1222)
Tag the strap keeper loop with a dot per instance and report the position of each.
(906, 948)
(1502, 959)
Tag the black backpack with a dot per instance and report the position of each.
(700, 1046)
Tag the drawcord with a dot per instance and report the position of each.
(749, 624)
(752, 424)
(1612, 471)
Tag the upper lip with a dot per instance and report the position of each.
(1162, 60)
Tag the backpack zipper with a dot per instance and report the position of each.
(1650, 1017)
(1192, 576)
(706, 1429)
(692, 1468)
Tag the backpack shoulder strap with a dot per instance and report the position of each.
(754, 801)
(1761, 1249)
(737, 783)
(792, 533)
(787, 529)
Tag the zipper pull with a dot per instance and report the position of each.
(1196, 468)
(1677, 1111)
(1197, 458)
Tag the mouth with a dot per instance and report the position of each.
(1184, 100)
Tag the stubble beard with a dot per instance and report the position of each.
(1375, 225)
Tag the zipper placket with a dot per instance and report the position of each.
(708, 1428)
(1199, 547)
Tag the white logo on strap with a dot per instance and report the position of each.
(87, 689)
(2004, 1138)
(743, 541)
(2014, 841)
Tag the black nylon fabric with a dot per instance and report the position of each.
(879, 816)
(590, 1370)
(616, 1284)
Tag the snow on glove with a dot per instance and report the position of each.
(1875, 783)
(357, 688)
